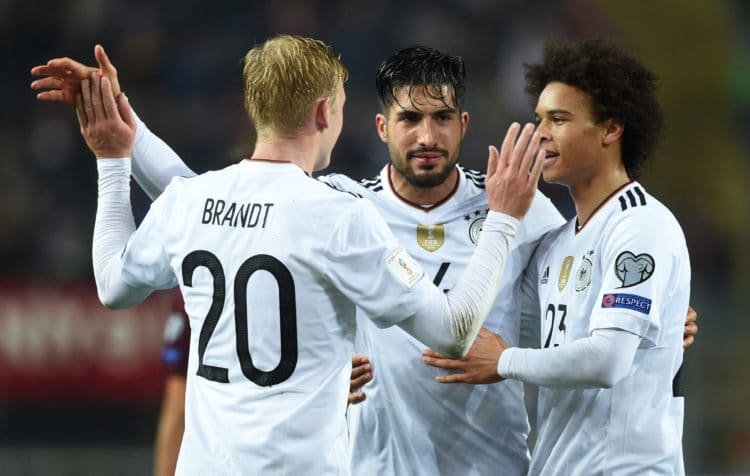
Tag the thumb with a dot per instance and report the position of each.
(101, 57)
(107, 68)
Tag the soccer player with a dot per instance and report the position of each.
(613, 283)
(171, 423)
(271, 264)
(435, 208)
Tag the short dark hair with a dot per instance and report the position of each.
(619, 86)
(421, 66)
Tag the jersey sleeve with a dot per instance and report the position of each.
(155, 164)
(370, 267)
(639, 262)
(144, 261)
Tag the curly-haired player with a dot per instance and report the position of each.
(613, 283)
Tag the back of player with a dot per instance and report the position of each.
(271, 334)
(627, 268)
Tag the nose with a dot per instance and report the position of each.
(543, 130)
(426, 136)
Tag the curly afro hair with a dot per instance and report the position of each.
(619, 86)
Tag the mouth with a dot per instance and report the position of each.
(550, 155)
(427, 158)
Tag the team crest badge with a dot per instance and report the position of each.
(430, 237)
(562, 280)
(631, 269)
(583, 276)
(475, 220)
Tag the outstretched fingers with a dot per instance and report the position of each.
(506, 149)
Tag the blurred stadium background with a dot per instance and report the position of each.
(80, 386)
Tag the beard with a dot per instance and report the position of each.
(430, 177)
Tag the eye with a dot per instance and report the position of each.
(558, 120)
(409, 117)
(445, 116)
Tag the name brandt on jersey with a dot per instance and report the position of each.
(245, 215)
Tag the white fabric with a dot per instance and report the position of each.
(627, 269)
(334, 247)
(160, 162)
(600, 360)
(410, 424)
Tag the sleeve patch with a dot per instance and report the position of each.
(403, 267)
(627, 301)
(631, 269)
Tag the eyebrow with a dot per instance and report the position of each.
(555, 111)
(446, 110)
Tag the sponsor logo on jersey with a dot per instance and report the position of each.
(562, 280)
(430, 237)
(403, 267)
(583, 276)
(631, 269)
(627, 301)
(545, 276)
(476, 220)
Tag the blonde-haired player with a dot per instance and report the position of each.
(271, 264)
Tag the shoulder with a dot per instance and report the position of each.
(639, 218)
(634, 206)
(341, 183)
(473, 177)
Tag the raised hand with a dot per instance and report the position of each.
(513, 173)
(108, 126)
(63, 77)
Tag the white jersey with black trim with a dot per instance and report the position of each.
(270, 294)
(410, 424)
(627, 268)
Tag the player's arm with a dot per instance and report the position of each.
(109, 130)
(598, 361)
(171, 425)
(154, 163)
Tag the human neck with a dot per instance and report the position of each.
(300, 150)
(422, 196)
(590, 193)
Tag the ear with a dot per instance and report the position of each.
(612, 131)
(464, 122)
(381, 123)
(322, 113)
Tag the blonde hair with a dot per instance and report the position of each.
(285, 77)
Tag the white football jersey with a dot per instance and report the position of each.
(269, 261)
(627, 268)
(410, 424)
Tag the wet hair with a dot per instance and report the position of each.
(619, 87)
(285, 77)
(421, 66)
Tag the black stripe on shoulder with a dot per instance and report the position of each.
(632, 198)
(373, 184)
(339, 190)
(477, 178)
